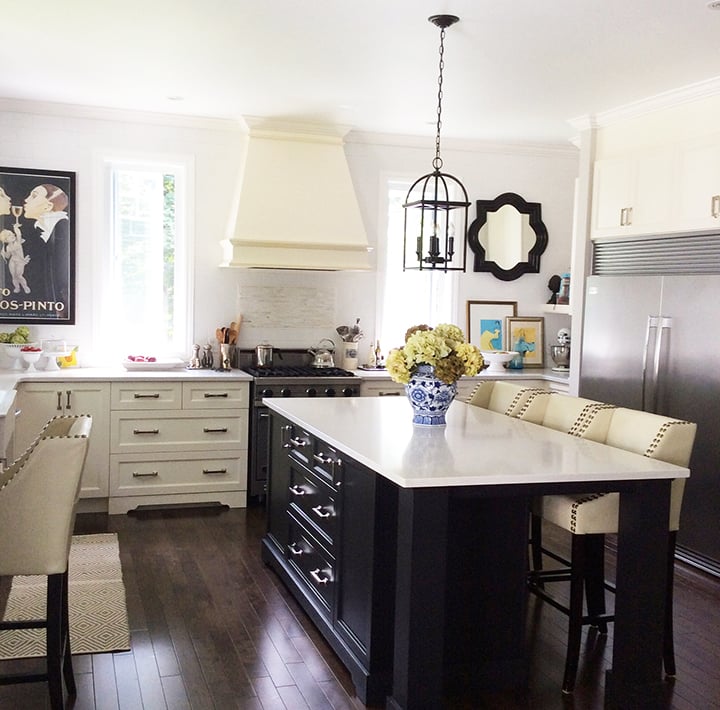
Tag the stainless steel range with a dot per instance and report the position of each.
(287, 381)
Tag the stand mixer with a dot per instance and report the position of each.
(561, 352)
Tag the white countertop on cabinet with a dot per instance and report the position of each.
(9, 379)
(524, 374)
(475, 448)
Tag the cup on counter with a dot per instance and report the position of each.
(350, 356)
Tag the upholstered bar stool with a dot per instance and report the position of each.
(588, 518)
(506, 398)
(38, 498)
(577, 416)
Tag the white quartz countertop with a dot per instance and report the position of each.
(524, 374)
(477, 447)
(10, 378)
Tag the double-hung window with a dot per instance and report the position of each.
(146, 305)
(408, 298)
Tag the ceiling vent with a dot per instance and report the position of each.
(297, 207)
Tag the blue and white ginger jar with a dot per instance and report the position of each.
(429, 397)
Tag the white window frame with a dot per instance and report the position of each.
(442, 287)
(106, 347)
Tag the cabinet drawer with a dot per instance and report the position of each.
(139, 474)
(215, 395)
(314, 501)
(326, 460)
(146, 395)
(312, 563)
(133, 432)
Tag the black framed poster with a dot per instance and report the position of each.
(37, 246)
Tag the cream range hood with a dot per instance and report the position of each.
(297, 208)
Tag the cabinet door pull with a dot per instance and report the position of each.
(323, 459)
(297, 490)
(315, 574)
(629, 216)
(210, 430)
(146, 395)
(321, 513)
(715, 206)
(151, 474)
(59, 404)
(295, 550)
(146, 431)
(67, 402)
(210, 395)
(213, 471)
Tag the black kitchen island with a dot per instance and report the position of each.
(407, 545)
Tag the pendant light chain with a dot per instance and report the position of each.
(437, 161)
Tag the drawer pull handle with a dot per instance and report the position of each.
(295, 550)
(146, 395)
(152, 474)
(315, 574)
(299, 443)
(297, 490)
(323, 459)
(321, 513)
(388, 394)
(146, 431)
(213, 471)
(221, 430)
(211, 395)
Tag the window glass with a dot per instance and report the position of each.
(148, 276)
(409, 297)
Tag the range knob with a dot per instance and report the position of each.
(310, 391)
(285, 392)
(330, 392)
(348, 392)
(267, 392)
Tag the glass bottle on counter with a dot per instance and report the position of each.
(371, 361)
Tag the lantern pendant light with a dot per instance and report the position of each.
(436, 206)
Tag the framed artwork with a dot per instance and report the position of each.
(37, 246)
(527, 336)
(486, 323)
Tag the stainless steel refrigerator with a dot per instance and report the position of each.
(652, 342)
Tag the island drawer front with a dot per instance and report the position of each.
(146, 395)
(314, 500)
(215, 395)
(133, 432)
(139, 474)
(315, 567)
(326, 461)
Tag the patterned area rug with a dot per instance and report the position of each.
(98, 614)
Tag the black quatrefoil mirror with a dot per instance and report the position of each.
(507, 237)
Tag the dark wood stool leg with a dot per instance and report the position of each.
(536, 543)
(595, 578)
(577, 577)
(668, 641)
(54, 640)
(67, 662)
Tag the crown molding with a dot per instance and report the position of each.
(652, 104)
(101, 113)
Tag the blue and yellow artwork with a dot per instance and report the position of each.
(491, 334)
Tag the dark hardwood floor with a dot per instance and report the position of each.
(212, 627)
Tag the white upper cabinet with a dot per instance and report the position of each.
(633, 194)
(670, 189)
(699, 193)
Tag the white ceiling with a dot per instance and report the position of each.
(514, 69)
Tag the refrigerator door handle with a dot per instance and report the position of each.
(652, 325)
(665, 323)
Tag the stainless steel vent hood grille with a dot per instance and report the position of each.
(297, 207)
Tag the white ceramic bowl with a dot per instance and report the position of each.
(497, 359)
(13, 350)
(31, 357)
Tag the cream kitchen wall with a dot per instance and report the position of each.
(287, 308)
